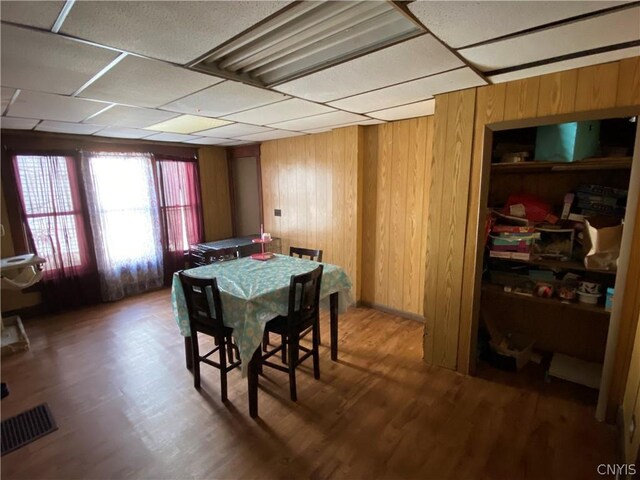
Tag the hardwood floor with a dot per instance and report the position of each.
(115, 380)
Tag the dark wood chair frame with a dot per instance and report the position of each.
(303, 314)
(248, 250)
(315, 255)
(201, 321)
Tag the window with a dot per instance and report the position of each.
(123, 207)
(52, 208)
(180, 203)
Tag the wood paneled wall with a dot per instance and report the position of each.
(459, 148)
(625, 387)
(631, 403)
(446, 225)
(216, 201)
(316, 181)
(397, 169)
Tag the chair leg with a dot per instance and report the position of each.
(188, 353)
(252, 384)
(223, 369)
(315, 341)
(258, 366)
(293, 363)
(195, 351)
(283, 341)
(265, 341)
(229, 342)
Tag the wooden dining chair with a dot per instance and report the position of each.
(247, 250)
(197, 292)
(220, 255)
(303, 313)
(315, 255)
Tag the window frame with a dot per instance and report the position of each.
(21, 234)
(157, 160)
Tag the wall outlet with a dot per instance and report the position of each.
(277, 212)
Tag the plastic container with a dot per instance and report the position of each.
(590, 298)
(608, 304)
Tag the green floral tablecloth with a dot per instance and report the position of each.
(253, 292)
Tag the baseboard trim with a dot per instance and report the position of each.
(27, 312)
(392, 311)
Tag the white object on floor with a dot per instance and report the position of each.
(576, 370)
(21, 272)
(17, 273)
(14, 338)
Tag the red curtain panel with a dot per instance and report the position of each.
(181, 212)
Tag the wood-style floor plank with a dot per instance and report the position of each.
(115, 380)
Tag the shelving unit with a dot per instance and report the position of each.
(570, 328)
(541, 166)
(555, 302)
(558, 265)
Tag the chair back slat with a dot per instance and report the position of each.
(315, 255)
(304, 298)
(220, 255)
(199, 293)
(248, 250)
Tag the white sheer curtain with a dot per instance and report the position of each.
(125, 223)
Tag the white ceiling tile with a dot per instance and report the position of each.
(319, 121)
(35, 14)
(208, 141)
(419, 109)
(603, 30)
(464, 23)
(223, 99)
(272, 135)
(280, 112)
(122, 132)
(411, 92)
(188, 124)
(363, 123)
(132, 117)
(67, 127)
(53, 107)
(567, 65)
(404, 61)
(47, 62)
(233, 143)
(174, 31)
(170, 137)
(146, 83)
(18, 123)
(7, 94)
(235, 130)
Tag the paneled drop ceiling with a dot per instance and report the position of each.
(128, 69)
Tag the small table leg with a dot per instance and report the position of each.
(333, 313)
(252, 382)
(188, 353)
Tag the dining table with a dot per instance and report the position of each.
(252, 293)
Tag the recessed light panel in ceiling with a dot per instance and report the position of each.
(308, 37)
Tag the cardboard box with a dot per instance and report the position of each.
(517, 346)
